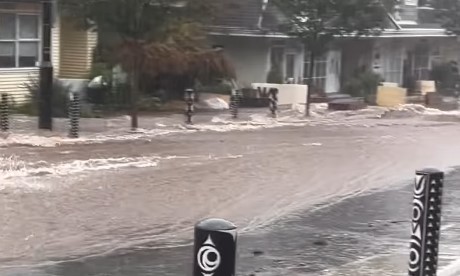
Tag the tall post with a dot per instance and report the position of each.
(426, 223)
(190, 100)
(45, 120)
(273, 96)
(74, 114)
(215, 248)
(4, 113)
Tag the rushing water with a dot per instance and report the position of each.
(118, 203)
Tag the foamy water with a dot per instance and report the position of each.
(320, 115)
(144, 196)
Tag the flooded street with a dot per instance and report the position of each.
(326, 196)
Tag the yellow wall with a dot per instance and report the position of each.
(76, 51)
(56, 46)
(12, 81)
(388, 96)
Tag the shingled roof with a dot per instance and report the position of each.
(246, 16)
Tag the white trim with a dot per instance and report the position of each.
(385, 34)
(14, 69)
(250, 35)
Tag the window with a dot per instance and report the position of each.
(319, 72)
(290, 66)
(392, 64)
(276, 57)
(19, 40)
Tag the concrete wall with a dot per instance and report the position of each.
(250, 57)
(388, 96)
(289, 94)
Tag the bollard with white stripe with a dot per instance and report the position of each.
(190, 101)
(74, 115)
(234, 103)
(273, 97)
(215, 248)
(426, 223)
(4, 113)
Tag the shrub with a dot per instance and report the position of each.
(363, 84)
(59, 101)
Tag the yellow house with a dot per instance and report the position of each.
(20, 47)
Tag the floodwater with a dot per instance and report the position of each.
(120, 203)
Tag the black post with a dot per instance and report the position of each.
(74, 114)
(189, 99)
(215, 248)
(426, 223)
(234, 103)
(273, 96)
(4, 113)
(45, 120)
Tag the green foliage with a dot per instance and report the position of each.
(448, 14)
(446, 76)
(222, 88)
(363, 84)
(59, 101)
(150, 104)
(319, 22)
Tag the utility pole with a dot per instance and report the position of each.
(45, 120)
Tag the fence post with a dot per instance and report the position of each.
(426, 223)
(234, 103)
(189, 99)
(74, 114)
(215, 248)
(273, 97)
(4, 113)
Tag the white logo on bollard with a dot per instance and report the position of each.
(208, 257)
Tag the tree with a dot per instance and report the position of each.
(150, 36)
(448, 12)
(317, 23)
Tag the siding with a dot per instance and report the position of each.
(56, 46)
(76, 51)
(12, 81)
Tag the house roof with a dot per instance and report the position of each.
(261, 18)
(256, 17)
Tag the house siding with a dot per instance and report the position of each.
(14, 82)
(76, 49)
(56, 46)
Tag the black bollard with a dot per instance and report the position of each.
(234, 104)
(215, 248)
(273, 97)
(426, 223)
(74, 115)
(4, 113)
(190, 101)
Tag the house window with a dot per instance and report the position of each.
(392, 65)
(290, 66)
(19, 40)
(319, 72)
(422, 66)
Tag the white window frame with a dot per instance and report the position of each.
(17, 40)
(316, 78)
